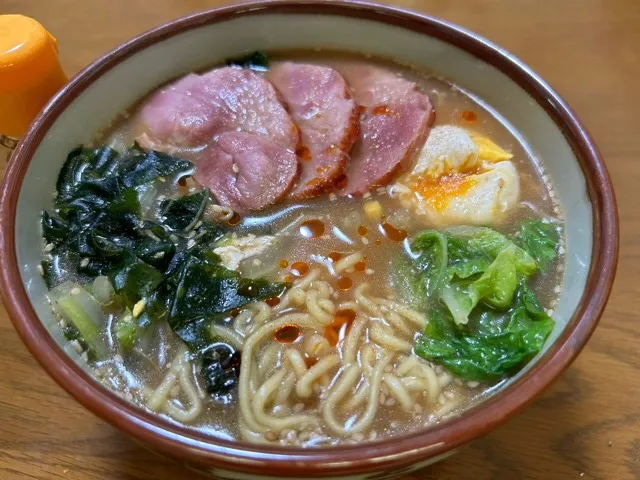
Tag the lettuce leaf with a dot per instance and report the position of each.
(492, 344)
(483, 319)
(540, 241)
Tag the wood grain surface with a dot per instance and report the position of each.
(586, 426)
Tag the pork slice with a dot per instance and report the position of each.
(327, 117)
(246, 171)
(250, 104)
(190, 112)
(394, 122)
(174, 118)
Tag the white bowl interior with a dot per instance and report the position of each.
(125, 84)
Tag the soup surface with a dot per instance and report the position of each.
(305, 249)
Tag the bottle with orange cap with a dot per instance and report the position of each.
(30, 74)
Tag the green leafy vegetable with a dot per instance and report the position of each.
(492, 344)
(540, 241)
(81, 310)
(255, 61)
(127, 331)
(164, 262)
(485, 320)
(183, 213)
(220, 368)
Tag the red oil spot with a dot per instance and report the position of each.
(360, 266)
(310, 361)
(332, 336)
(335, 256)
(341, 182)
(392, 233)
(362, 230)
(381, 110)
(299, 269)
(313, 182)
(273, 301)
(287, 333)
(469, 116)
(312, 229)
(284, 263)
(344, 283)
(340, 326)
(304, 153)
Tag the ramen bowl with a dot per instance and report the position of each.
(115, 82)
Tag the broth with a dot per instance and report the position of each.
(348, 314)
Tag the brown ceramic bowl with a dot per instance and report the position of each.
(117, 80)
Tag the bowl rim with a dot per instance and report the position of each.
(191, 447)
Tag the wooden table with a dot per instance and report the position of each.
(586, 426)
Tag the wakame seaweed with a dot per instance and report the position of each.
(484, 321)
(164, 263)
(254, 61)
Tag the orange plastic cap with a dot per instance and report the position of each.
(30, 72)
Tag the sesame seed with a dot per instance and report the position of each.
(332, 197)
(41, 270)
(48, 247)
(358, 437)
(257, 262)
(369, 271)
(138, 308)
(75, 291)
(298, 407)
(366, 195)
(390, 402)
(162, 179)
(473, 384)
(235, 168)
(191, 243)
(84, 262)
(365, 241)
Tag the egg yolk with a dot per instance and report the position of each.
(439, 192)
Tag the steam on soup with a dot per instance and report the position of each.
(309, 250)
